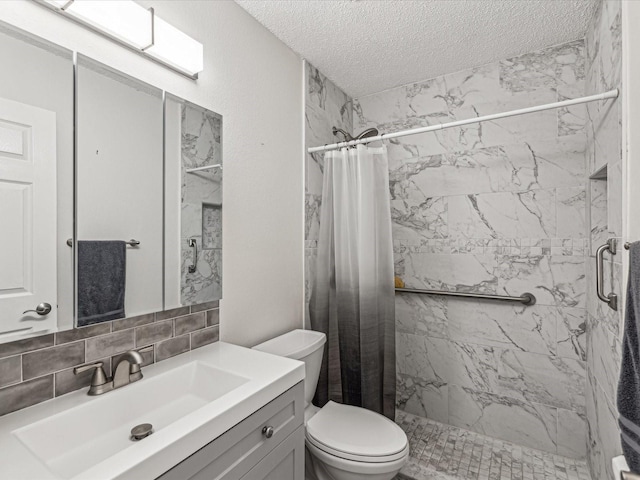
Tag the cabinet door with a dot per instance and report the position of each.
(285, 462)
(234, 453)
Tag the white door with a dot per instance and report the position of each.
(27, 219)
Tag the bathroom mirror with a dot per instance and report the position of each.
(119, 195)
(193, 208)
(147, 181)
(36, 186)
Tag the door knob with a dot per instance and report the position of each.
(41, 309)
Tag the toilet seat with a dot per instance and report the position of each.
(356, 434)
(366, 468)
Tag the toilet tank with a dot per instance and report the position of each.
(304, 345)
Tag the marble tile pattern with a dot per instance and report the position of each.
(444, 452)
(201, 207)
(497, 207)
(326, 106)
(604, 212)
(37, 369)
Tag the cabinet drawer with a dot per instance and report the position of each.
(236, 451)
(285, 462)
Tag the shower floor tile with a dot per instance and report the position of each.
(444, 452)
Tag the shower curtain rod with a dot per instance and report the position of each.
(458, 123)
(206, 167)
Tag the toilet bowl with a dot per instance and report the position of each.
(343, 442)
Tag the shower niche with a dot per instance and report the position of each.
(193, 140)
(598, 228)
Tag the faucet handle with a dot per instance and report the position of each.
(98, 380)
(134, 369)
(84, 368)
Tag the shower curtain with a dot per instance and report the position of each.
(352, 300)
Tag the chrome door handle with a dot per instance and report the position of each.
(267, 431)
(610, 299)
(41, 309)
(193, 244)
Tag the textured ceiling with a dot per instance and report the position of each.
(366, 46)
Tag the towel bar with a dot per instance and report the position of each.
(131, 243)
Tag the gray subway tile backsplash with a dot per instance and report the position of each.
(174, 312)
(204, 306)
(108, 345)
(81, 333)
(10, 370)
(213, 318)
(189, 323)
(49, 360)
(37, 369)
(25, 394)
(153, 333)
(26, 345)
(172, 347)
(204, 337)
(131, 322)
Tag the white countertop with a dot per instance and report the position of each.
(268, 377)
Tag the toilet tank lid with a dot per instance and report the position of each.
(296, 344)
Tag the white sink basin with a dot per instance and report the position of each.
(95, 431)
(190, 400)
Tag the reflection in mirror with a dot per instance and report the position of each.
(119, 195)
(36, 186)
(193, 162)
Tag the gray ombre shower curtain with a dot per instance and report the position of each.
(352, 300)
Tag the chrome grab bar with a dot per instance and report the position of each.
(611, 299)
(526, 298)
(193, 244)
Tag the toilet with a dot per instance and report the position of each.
(343, 442)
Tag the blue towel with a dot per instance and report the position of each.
(102, 271)
(629, 383)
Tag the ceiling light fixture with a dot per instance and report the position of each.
(138, 28)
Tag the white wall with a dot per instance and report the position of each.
(254, 81)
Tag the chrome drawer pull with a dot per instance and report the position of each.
(267, 431)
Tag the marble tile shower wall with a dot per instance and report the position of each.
(604, 149)
(325, 106)
(497, 207)
(37, 369)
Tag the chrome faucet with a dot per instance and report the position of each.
(126, 371)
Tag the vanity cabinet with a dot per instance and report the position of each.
(267, 445)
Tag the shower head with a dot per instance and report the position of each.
(369, 132)
(347, 136)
